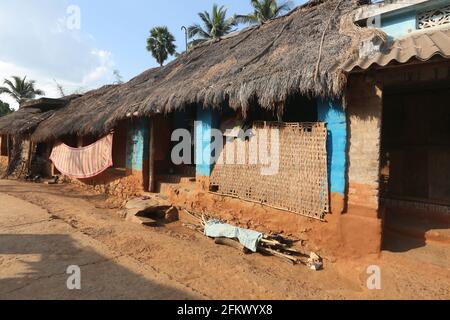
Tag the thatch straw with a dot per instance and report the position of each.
(261, 65)
(23, 121)
(97, 111)
(31, 114)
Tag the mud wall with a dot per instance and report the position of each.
(129, 177)
(3, 164)
(361, 227)
(123, 184)
(364, 108)
(325, 238)
(18, 165)
(3, 154)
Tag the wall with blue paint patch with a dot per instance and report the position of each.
(333, 114)
(137, 144)
(403, 23)
(207, 119)
(399, 25)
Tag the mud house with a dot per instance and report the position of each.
(273, 75)
(398, 116)
(346, 100)
(94, 117)
(19, 155)
(286, 76)
(220, 80)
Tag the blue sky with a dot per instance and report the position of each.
(123, 26)
(112, 36)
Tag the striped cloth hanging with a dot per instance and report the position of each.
(86, 162)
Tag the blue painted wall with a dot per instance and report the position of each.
(403, 23)
(137, 144)
(333, 114)
(206, 120)
(399, 25)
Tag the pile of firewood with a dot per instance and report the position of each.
(275, 245)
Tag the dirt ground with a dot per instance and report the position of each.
(46, 228)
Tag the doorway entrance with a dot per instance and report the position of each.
(415, 167)
(416, 146)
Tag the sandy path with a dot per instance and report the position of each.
(124, 260)
(36, 249)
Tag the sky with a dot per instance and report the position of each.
(79, 43)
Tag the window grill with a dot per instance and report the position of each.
(433, 18)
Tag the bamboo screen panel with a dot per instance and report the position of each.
(301, 182)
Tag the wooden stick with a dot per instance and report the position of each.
(292, 259)
(274, 243)
(317, 69)
(284, 250)
(230, 243)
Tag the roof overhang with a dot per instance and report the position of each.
(47, 103)
(421, 46)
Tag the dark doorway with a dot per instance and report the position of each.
(416, 146)
(415, 167)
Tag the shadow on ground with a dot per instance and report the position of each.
(34, 267)
(406, 232)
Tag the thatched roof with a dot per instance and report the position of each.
(263, 64)
(23, 120)
(48, 103)
(301, 52)
(97, 111)
(31, 114)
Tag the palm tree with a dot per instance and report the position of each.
(161, 44)
(4, 108)
(264, 10)
(215, 25)
(20, 89)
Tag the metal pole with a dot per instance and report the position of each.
(185, 36)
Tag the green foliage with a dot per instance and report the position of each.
(264, 10)
(4, 109)
(161, 44)
(215, 25)
(20, 89)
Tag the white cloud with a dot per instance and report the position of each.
(104, 68)
(36, 42)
